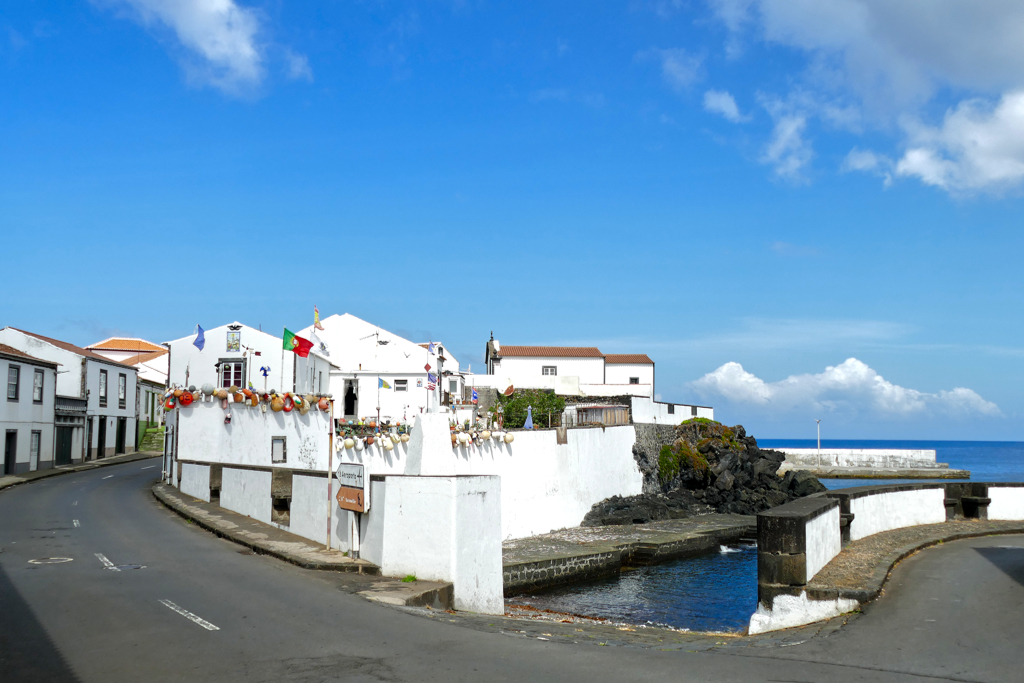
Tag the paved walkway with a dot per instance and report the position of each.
(15, 479)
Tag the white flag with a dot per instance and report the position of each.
(318, 343)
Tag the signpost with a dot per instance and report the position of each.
(351, 487)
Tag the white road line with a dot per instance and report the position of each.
(149, 468)
(188, 615)
(77, 524)
(108, 477)
(106, 563)
(75, 503)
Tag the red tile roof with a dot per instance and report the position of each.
(551, 351)
(72, 348)
(125, 344)
(628, 358)
(11, 351)
(142, 357)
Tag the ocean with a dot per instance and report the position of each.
(986, 460)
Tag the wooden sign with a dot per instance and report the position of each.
(351, 499)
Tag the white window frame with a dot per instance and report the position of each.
(549, 370)
(284, 449)
(39, 375)
(103, 388)
(13, 385)
(226, 379)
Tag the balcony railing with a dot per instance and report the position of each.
(70, 405)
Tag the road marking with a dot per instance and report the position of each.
(188, 615)
(50, 560)
(75, 503)
(108, 477)
(149, 468)
(77, 524)
(106, 563)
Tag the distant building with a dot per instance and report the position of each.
(27, 415)
(94, 393)
(150, 360)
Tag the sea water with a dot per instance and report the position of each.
(718, 591)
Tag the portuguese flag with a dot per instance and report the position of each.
(293, 342)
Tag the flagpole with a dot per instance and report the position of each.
(282, 359)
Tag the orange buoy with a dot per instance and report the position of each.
(186, 398)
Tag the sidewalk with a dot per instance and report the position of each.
(265, 539)
(15, 479)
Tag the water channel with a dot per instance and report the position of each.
(712, 592)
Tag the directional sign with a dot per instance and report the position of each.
(351, 492)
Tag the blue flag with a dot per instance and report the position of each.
(431, 377)
(430, 347)
(200, 341)
(475, 397)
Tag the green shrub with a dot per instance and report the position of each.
(547, 408)
(678, 458)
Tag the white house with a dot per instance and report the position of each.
(148, 358)
(567, 370)
(27, 415)
(92, 391)
(378, 372)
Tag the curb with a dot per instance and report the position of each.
(257, 546)
(92, 465)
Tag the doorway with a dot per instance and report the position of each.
(122, 426)
(62, 452)
(101, 441)
(10, 451)
(351, 400)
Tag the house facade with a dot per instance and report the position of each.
(27, 412)
(376, 372)
(93, 393)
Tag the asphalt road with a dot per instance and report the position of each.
(201, 610)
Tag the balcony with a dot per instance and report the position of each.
(68, 405)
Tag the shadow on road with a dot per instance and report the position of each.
(26, 651)
(1009, 559)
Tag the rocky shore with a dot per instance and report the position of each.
(700, 467)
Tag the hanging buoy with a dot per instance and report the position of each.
(288, 403)
(177, 393)
(359, 444)
(208, 389)
(169, 405)
(324, 404)
(509, 438)
(369, 441)
(185, 399)
(238, 398)
(405, 438)
(350, 443)
(455, 440)
(276, 404)
(388, 446)
(485, 435)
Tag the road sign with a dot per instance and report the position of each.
(351, 492)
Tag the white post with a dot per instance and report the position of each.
(330, 469)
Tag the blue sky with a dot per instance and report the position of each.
(750, 191)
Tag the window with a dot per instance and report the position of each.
(671, 409)
(232, 373)
(103, 388)
(549, 370)
(401, 385)
(453, 386)
(13, 375)
(693, 411)
(122, 391)
(33, 453)
(278, 453)
(37, 386)
(634, 380)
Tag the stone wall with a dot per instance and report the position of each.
(529, 576)
(649, 440)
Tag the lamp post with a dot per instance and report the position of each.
(819, 443)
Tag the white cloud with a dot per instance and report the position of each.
(978, 147)
(679, 68)
(221, 37)
(787, 150)
(879, 62)
(864, 160)
(721, 102)
(848, 388)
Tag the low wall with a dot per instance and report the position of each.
(439, 529)
(246, 492)
(195, 480)
(798, 539)
(648, 411)
(859, 457)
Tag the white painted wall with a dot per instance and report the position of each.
(440, 529)
(200, 365)
(195, 481)
(823, 541)
(894, 510)
(1007, 502)
(523, 370)
(69, 381)
(620, 373)
(308, 514)
(204, 437)
(246, 492)
(25, 416)
(860, 457)
(646, 390)
(649, 411)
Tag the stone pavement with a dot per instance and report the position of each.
(15, 479)
(585, 553)
(265, 539)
